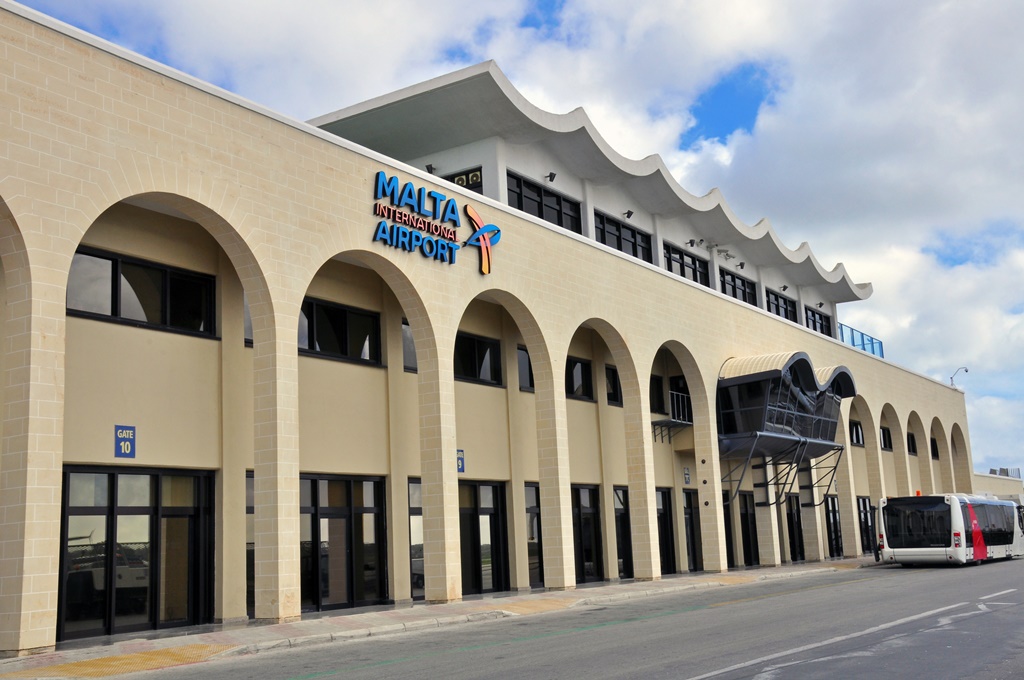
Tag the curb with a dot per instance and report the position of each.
(342, 636)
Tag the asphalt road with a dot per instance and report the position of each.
(881, 622)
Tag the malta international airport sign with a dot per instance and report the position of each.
(416, 219)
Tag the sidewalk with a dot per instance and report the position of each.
(116, 655)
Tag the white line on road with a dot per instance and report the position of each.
(832, 641)
(1001, 592)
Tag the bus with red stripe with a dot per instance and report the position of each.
(949, 529)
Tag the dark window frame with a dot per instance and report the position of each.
(656, 386)
(911, 444)
(737, 287)
(521, 352)
(934, 445)
(410, 363)
(613, 386)
(885, 438)
(687, 265)
(168, 275)
(622, 237)
(819, 322)
(780, 305)
(310, 307)
(584, 391)
(546, 204)
(856, 433)
(481, 344)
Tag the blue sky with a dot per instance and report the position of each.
(890, 146)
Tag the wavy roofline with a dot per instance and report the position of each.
(737, 370)
(653, 166)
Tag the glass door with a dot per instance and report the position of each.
(623, 532)
(691, 518)
(534, 548)
(833, 529)
(748, 529)
(666, 537)
(794, 527)
(586, 521)
(136, 551)
(341, 529)
(482, 537)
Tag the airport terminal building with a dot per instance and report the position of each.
(438, 344)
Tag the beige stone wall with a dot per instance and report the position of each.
(270, 207)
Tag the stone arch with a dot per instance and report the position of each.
(960, 455)
(866, 457)
(896, 451)
(550, 442)
(922, 467)
(692, 406)
(635, 461)
(942, 462)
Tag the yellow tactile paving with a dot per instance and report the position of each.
(124, 663)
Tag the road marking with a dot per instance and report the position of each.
(1001, 592)
(781, 593)
(832, 641)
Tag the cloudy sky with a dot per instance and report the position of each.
(887, 134)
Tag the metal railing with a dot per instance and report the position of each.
(861, 340)
(681, 408)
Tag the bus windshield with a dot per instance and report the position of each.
(919, 522)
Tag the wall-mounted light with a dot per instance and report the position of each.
(820, 305)
(628, 214)
(723, 251)
(784, 289)
(741, 265)
(962, 368)
(430, 168)
(551, 176)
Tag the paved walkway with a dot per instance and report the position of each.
(116, 655)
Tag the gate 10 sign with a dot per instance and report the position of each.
(124, 441)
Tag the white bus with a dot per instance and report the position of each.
(949, 529)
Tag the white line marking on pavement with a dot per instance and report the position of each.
(1001, 592)
(831, 641)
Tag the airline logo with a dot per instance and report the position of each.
(418, 220)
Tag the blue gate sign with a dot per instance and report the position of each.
(461, 460)
(124, 441)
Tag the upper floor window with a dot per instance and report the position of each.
(735, 286)
(658, 395)
(335, 330)
(525, 369)
(468, 179)
(816, 321)
(579, 383)
(477, 359)
(780, 305)
(611, 375)
(544, 203)
(140, 292)
(886, 435)
(856, 433)
(687, 266)
(622, 237)
(935, 448)
(408, 348)
(911, 444)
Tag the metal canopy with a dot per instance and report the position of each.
(794, 460)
